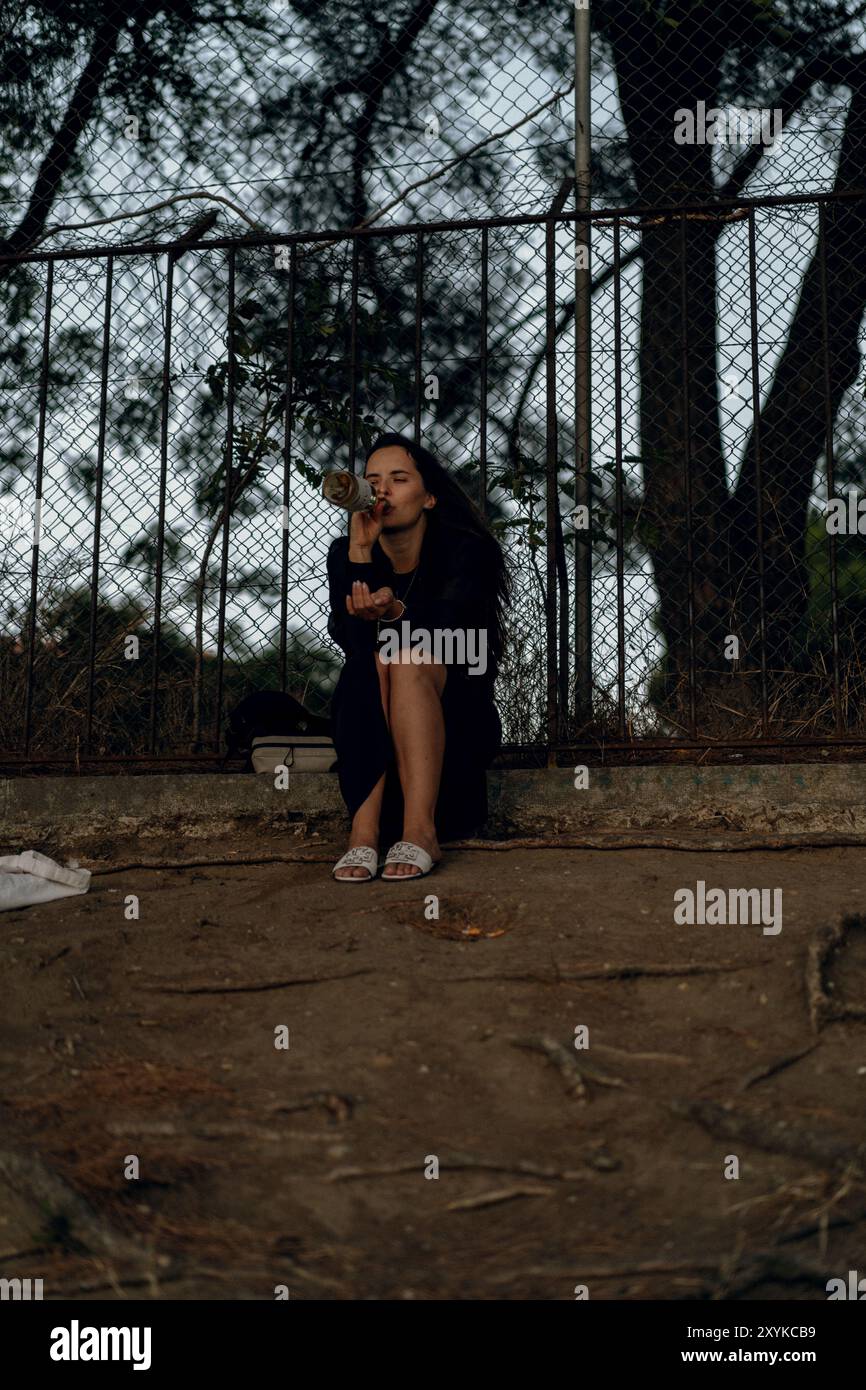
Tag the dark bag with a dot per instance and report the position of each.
(274, 729)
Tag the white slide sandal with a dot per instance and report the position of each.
(405, 852)
(361, 857)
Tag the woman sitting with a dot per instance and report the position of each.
(417, 594)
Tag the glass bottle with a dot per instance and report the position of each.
(349, 491)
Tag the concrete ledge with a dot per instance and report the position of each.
(792, 797)
(795, 797)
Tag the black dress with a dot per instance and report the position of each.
(447, 592)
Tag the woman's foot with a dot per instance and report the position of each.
(425, 836)
(360, 835)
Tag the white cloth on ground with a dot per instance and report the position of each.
(32, 877)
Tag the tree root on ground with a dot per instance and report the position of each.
(771, 1134)
(246, 987)
(823, 1009)
(572, 1066)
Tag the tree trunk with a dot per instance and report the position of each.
(793, 421)
(57, 161)
(659, 70)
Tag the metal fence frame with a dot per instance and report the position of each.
(559, 650)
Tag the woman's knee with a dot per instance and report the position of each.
(408, 676)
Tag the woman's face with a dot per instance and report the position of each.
(394, 475)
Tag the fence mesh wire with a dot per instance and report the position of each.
(209, 121)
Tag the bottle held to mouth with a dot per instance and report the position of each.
(349, 491)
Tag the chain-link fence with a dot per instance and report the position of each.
(171, 458)
(168, 173)
(322, 113)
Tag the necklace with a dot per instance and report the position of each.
(408, 586)
(400, 599)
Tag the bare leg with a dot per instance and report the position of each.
(365, 822)
(418, 731)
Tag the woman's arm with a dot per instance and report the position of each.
(352, 634)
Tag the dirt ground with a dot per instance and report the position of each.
(413, 1039)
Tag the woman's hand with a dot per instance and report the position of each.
(365, 529)
(378, 606)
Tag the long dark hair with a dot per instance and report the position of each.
(455, 511)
